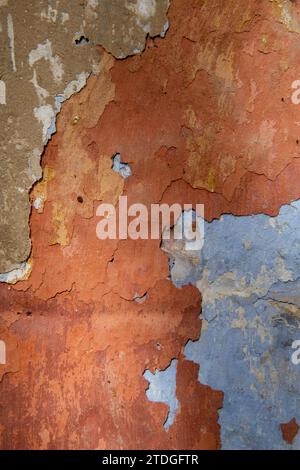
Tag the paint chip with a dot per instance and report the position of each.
(123, 169)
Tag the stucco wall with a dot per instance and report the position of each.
(125, 344)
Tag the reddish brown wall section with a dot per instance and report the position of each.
(196, 118)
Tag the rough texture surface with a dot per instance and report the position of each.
(198, 120)
(48, 51)
(250, 312)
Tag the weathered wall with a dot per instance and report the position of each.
(48, 51)
(105, 346)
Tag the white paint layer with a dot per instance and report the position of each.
(44, 51)
(11, 36)
(41, 92)
(2, 92)
(19, 274)
(44, 115)
(146, 8)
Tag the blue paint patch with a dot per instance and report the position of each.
(248, 275)
(162, 389)
(123, 169)
(59, 99)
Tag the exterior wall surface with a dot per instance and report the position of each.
(141, 344)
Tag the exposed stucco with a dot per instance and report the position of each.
(48, 52)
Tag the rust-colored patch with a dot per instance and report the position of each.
(289, 430)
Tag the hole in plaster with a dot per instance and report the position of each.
(82, 40)
(28, 313)
(123, 169)
(297, 141)
(282, 99)
(80, 199)
(162, 389)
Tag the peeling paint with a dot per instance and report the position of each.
(100, 344)
(162, 389)
(11, 36)
(42, 62)
(19, 274)
(123, 169)
(289, 430)
(245, 347)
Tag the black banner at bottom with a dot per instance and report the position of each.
(134, 459)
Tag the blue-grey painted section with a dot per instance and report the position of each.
(249, 277)
(162, 388)
(59, 99)
(123, 169)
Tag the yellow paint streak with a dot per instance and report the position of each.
(111, 184)
(283, 11)
(211, 181)
(61, 235)
(40, 189)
